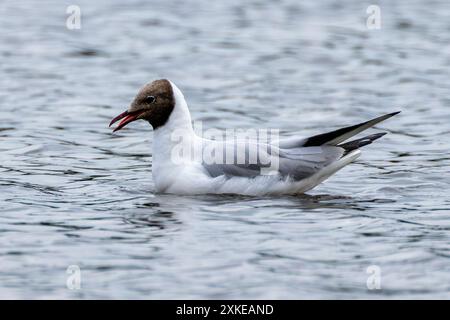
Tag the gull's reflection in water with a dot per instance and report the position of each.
(167, 211)
(159, 219)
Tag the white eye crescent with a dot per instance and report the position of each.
(150, 99)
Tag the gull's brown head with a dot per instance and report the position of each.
(154, 103)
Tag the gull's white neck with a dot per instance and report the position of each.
(178, 124)
(180, 118)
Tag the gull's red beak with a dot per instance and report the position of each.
(126, 117)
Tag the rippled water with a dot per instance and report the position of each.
(73, 193)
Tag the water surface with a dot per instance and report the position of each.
(73, 193)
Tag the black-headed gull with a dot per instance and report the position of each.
(301, 163)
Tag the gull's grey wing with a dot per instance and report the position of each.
(300, 163)
(295, 157)
(297, 163)
(236, 158)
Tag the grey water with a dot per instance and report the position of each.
(74, 194)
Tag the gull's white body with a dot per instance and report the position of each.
(193, 178)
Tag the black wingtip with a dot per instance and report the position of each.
(389, 115)
(378, 135)
(356, 144)
(394, 113)
(337, 136)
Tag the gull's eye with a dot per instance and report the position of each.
(150, 99)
